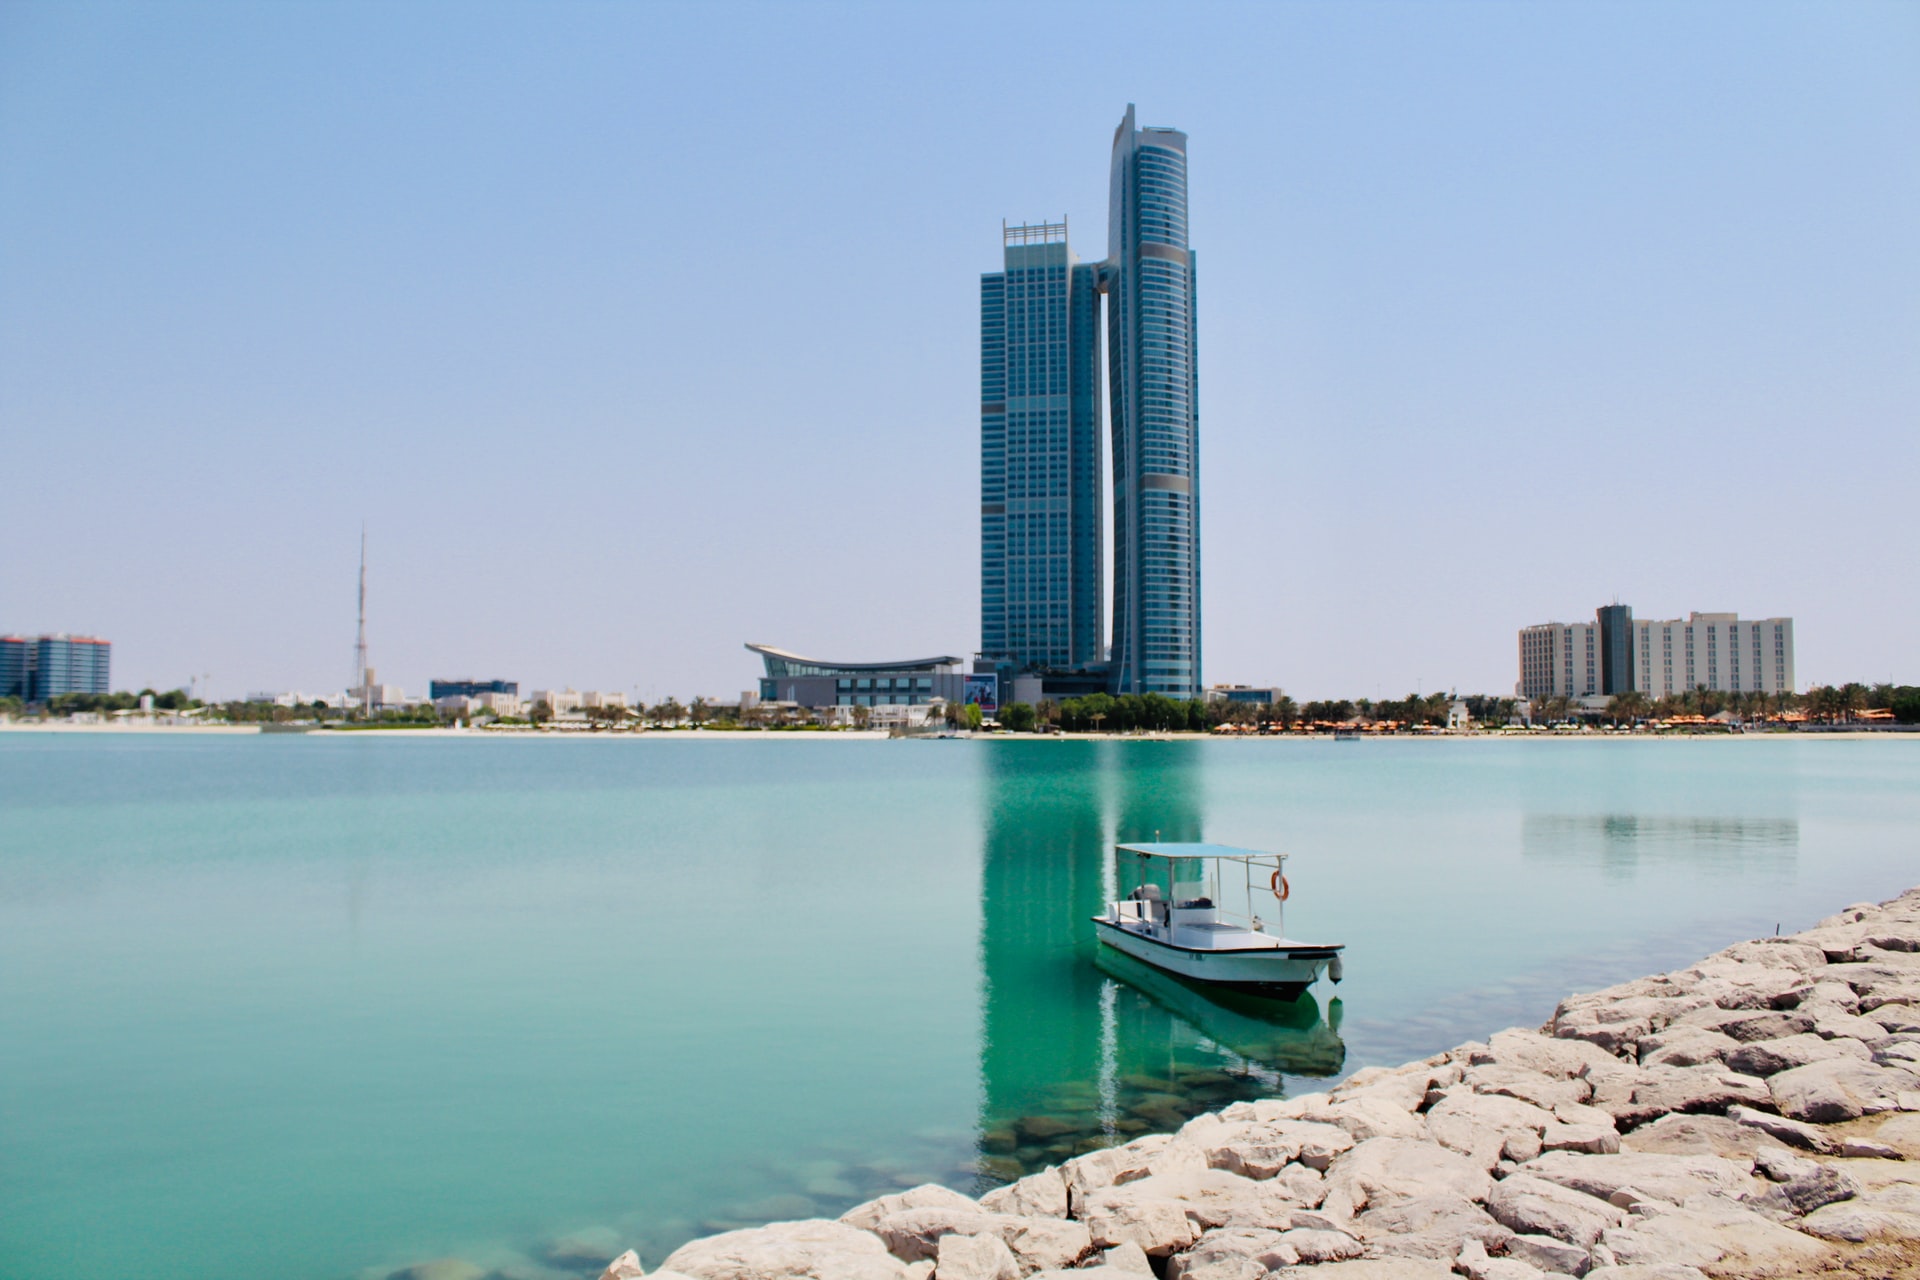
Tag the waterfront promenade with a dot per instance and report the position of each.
(1756, 1114)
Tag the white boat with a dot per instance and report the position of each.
(1172, 918)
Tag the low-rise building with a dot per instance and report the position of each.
(1245, 695)
(558, 701)
(376, 696)
(590, 698)
(438, 689)
(815, 683)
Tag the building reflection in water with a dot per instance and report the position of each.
(1082, 1047)
(1619, 843)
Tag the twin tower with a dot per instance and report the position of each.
(1041, 531)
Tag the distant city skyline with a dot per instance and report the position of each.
(633, 334)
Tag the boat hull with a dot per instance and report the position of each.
(1280, 972)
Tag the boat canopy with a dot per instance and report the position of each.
(1159, 849)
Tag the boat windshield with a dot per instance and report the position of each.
(1237, 884)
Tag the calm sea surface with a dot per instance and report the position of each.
(329, 1006)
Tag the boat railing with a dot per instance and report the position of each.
(1240, 891)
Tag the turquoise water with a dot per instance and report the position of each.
(329, 1006)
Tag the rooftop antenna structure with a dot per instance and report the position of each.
(360, 640)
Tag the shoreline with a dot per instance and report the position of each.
(873, 735)
(1756, 1114)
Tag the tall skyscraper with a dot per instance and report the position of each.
(1156, 437)
(1040, 482)
(1040, 454)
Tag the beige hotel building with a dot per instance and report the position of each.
(1616, 653)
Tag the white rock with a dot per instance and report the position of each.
(1501, 1269)
(1712, 1233)
(1038, 1195)
(1666, 1090)
(1783, 1166)
(1369, 1269)
(1041, 1242)
(1598, 1139)
(1544, 1091)
(1254, 1149)
(1483, 1127)
(788, 1251)
(1769, 1057)
(1114, 1166)
(1664, 1177)
(1685, 1135)
(1214, 1198)
(1127, 1257)
(1322, 1246)
(1160, 1227)
(926, 1196)
(912, 1234)
(1373, 1116)
(1427, 1227)
(984, 1257)
(625, 1267)
(1887, 1211)
(1383, 1172)
(1533, 1206)
(1657, 1271)
(1793, 1132)
(1796, 1197)
(1237, 1253)
(1548, 1254)
(1686, 1046)
(1835, 1023)
(1830, 1092)
(1547, 1056)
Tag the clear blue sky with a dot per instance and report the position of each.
(634, 332)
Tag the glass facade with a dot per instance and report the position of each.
(1616, 648)
(1040, 454)
(815, 682)
(1149, 276)
(37, 668)
(439, 689)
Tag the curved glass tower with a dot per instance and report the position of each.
(1155, 418)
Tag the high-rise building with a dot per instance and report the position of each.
(1149, 274)
(1716, 651)
(1040, 454)
(36, 668)
(1040, 481)
(1615, 624)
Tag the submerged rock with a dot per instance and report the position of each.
(440, 1269)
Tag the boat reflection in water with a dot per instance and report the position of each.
(1082, 1050)
(1287, 1037)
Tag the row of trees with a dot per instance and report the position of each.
(1831, 704)
(1100, 712)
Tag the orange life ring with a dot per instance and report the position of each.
(1281, 889)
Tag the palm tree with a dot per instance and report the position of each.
(1853, 697)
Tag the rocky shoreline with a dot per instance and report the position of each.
(1757, 1114)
